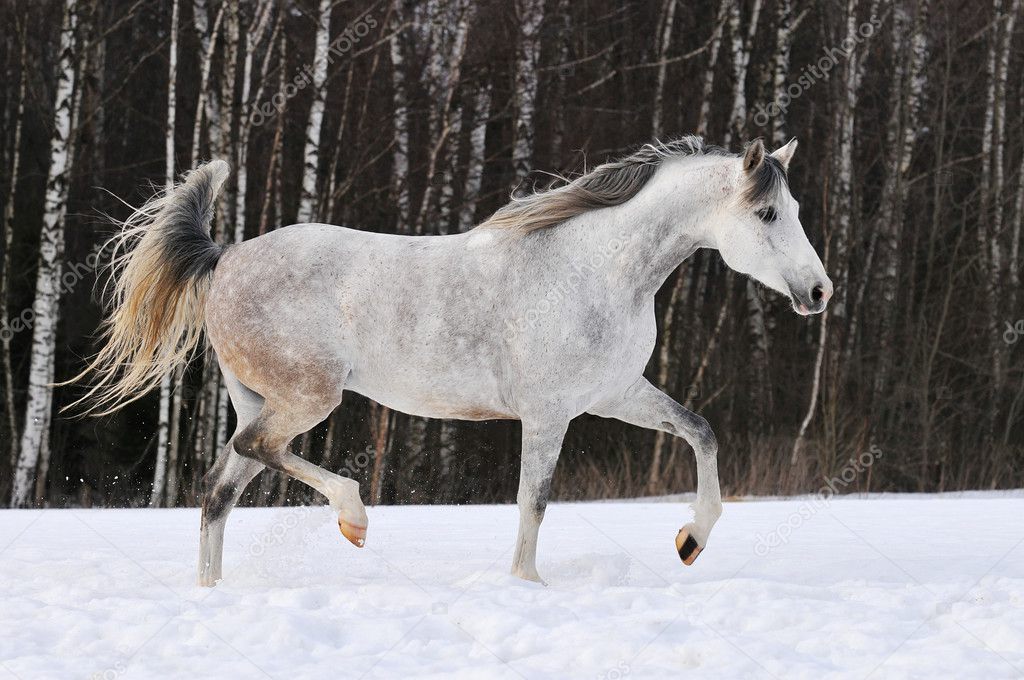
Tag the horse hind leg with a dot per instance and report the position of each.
(224, 483)
(266, 439)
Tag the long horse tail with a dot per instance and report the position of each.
(161, 269)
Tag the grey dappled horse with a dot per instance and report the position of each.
(543, 312)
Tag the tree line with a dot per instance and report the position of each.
(421, 118)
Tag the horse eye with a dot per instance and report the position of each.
(768, 215)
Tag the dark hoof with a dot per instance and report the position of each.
(687, 547)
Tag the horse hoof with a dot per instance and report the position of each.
(355, 535)
(687, 547)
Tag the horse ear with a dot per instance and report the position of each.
(785, 153)
(754, 156)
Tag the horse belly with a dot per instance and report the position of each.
(431, 379)
(470, 397)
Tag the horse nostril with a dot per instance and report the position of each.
(818, 293)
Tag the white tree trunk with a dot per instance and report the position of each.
(249, 46)
(311, 154)
(786, 25)
(167, 385)
(910, 50)
(530, 14)
(444, 73)
(998, 187)
(208, 41)
(841, 200)
(46, 306)
(741, 46)
(400, 123)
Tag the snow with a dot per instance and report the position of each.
(886, 587)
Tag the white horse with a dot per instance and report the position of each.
(542, 313)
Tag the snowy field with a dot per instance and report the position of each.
(891, 587)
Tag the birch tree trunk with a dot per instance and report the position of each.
(46, 306)
(445, 73)
(984, 234)
(785, 30)
(400, 123)
(840, 200)
(530, 15)
(208, 41)
(910, 54)
(251, 41)
(741, 47)
(311, 153)
(996, 236)
(167, 385)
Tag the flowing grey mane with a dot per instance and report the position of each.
(617, 181)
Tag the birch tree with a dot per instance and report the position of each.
(529, 16)
(208, 44)
(311, 152)
(910, 54)
(995, 274)
(400, 123)
(742, 43)
(447, 51)
(786, 25)
(167, 384)
(45, 308)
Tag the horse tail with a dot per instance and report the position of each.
(161, 269)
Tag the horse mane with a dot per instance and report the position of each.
(615, 182)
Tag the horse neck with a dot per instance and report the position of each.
(661, 226)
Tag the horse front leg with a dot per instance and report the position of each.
(542, 443)
(645, 405)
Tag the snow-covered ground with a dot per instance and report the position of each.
(885, 588)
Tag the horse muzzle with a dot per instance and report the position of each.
(811, 299)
